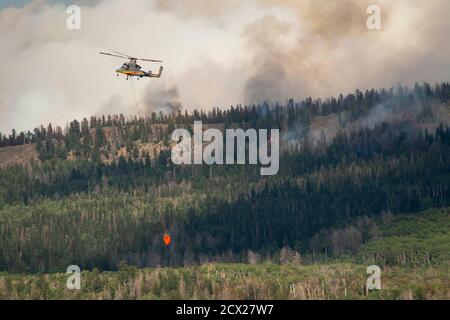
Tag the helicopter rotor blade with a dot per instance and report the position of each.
(151, 60)
(122, 54)
(114, 55)
(125, 56)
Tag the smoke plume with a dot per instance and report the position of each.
(161, 99)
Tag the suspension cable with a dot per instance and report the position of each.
(135, 99)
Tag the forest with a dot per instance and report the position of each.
(364, 179)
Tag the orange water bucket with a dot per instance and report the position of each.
(167, 239)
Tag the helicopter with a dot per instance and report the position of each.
(131, 68)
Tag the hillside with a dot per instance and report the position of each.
(22, 154)
(363, 179)
(282, 277)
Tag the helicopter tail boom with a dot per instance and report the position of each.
(156, 75)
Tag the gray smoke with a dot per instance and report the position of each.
(327, 49)
(160, 99)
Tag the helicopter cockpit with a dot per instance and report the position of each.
(125, 66)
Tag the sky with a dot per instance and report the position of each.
(216, 53)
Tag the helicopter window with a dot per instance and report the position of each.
(125, 66)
